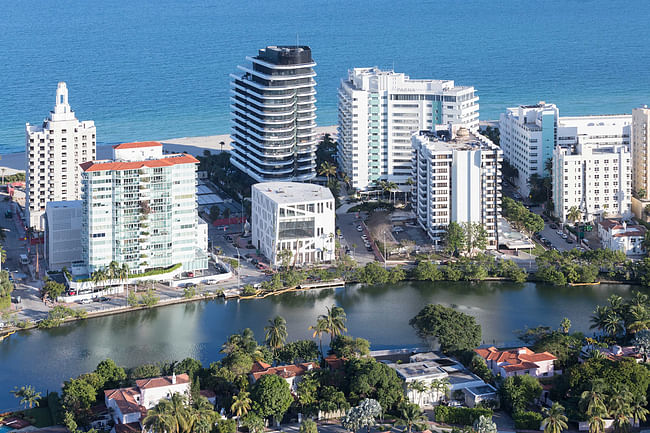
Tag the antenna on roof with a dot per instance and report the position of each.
(297, 41)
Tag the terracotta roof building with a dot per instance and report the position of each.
(620, 236)
(130, 405)
(518, 361)
(291, 373)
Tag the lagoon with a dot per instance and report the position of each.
(45, 358)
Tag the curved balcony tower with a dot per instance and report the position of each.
(274, 115)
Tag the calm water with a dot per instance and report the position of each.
(154, 70)
(378, 313)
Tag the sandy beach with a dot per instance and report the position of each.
(14, 162)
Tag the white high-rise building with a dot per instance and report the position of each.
(296, 217)
(596, 179)
(140, 209)
(530, 133)
(379, 110)
(457, 177)
(274, 115)
(640, 147)
(54, 150)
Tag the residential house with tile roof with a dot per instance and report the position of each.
(517, 362)
(291, 373)
(620, 236)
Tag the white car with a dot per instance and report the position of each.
(85, 301)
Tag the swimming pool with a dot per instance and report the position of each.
(5, 429)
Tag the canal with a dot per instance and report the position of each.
(378, 313)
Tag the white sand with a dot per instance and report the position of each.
(15, 162)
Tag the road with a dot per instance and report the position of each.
(347, 223)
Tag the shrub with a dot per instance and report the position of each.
(527, 420)
(460, 415)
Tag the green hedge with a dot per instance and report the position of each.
(56, 410)
(460, 415)
(527, 420)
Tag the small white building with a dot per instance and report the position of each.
(619, 236)
(130, 405)
(298, 217)
(597, 180)
(517, 362)
(63, 233)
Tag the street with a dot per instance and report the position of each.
(347, 223)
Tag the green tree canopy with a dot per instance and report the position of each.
(517, 392)
(367, 378)
(453, 330)
(271, 396)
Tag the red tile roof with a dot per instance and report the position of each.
(208, 393)
(334, 362)
(260, 366)
(125, 400)
(286, 371)
(513, 359)
(134, 165)
(159, 382)
(137, 145)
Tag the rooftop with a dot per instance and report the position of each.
(293, 192)
(286, 371)
(137, 145)
(168, 161)
(463, 139)
(414, 370)
(159, 382)
(521, 358)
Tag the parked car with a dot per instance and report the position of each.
(569, 241)
(398, 229)
(85, 301)
(359, 229)
(554, 226)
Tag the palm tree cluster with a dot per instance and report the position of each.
(27, 395)
(555, 421)
(438, 389)
(387, 187)
(178, 415)
(616, 403)
(111, 272)
(621, 319)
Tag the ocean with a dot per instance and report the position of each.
(154, 70)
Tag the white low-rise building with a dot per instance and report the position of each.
(530, 133)
(130, 405)
(597, 180)
(63, 234)
(378, 110)
(296, 217)
(457, 175)
(619, 236)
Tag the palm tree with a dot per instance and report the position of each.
(159, 419)
(574, 214)
(241, 404)
(27, 395)
(319, 329)
(606, 319)
(419, 387)
(113, 270)
(410, 182)
(440, 387)
(554, 419)
(410, 415)
(565, 325)
(98, 276)
(639, 412)
(592, 399)
(335, 320)
(276, 333)
(327, 169)
(66, 273)
(597, 422)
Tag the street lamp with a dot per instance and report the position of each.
(385, 257)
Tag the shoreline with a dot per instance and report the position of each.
(15, 162)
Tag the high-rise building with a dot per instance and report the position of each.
(530, 133)
(640, 147)
(595, 179)
(294, 217)
(274, 115)
(54, 150)
(457, 175)
(379, 110)
(140, 209)
(63, 234)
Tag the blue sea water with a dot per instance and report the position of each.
(146, 69)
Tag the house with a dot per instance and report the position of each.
(518, 361)
(130, 405)
(619, 236)
(613, 353)
(429, 369)
(291, 373)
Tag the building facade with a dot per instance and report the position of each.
(379, 110)
(274, 115)
(296, 217)
(619, 236)
(597, 180)
(63, 234)
(54, 150)
(640, 148)
(140, 209)
(530, 133)
(457, 177)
